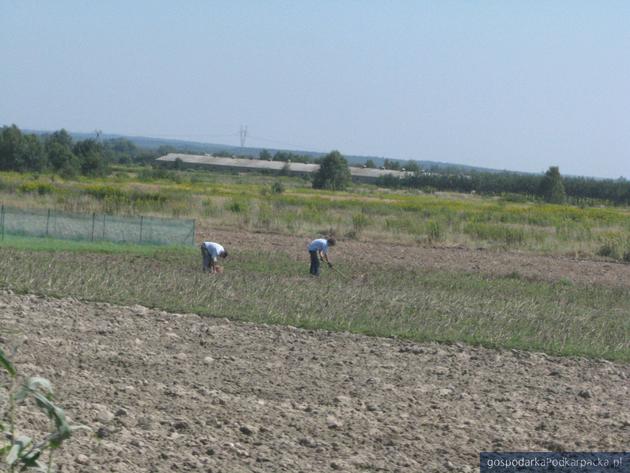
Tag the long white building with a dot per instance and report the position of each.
(241, 164)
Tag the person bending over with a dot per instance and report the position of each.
(211, 252)
(318, 249)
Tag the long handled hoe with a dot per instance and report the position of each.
(340, 273)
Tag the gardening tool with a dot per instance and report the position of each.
(339, 273)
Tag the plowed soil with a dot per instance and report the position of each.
(177, 392)
(458, 259)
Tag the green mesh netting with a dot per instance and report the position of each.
(73, 226)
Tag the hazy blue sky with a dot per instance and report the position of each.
(517, 85)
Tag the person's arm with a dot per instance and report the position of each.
(213, 260)
(325, 258)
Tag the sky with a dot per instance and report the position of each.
(505, 84)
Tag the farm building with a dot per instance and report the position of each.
(241, 164)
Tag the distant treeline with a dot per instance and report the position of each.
(58, 152)
(577, 189)
(266, 155)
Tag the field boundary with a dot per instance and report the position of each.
(51, 223)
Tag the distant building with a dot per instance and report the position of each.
(298, 169)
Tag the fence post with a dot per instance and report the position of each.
(47, 221)
(141, 221)
(2, 221)
(93, 221)
(193, 232)
(103, 227)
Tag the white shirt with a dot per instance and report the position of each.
(321, 244)
(214, 249)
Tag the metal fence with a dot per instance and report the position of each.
(95, 227)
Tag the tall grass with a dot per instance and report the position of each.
(365, 211)
(397, 300)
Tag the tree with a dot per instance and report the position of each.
(333, 172)
(412, 166)
(391, 164)
(20, 152)
(10, 144)
(552, 187)
(62, 137)
(90, 154)
(178, 164)
(60, 156)
(265, 155)
(370, 164)
(120, 150)
(62, 159)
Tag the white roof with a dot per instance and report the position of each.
(258, 164)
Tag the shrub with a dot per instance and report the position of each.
(608, 249)
(208, 208)
(359, 222)
(152, 174)
(435, 231)
(497, 233)
(41, 188)
(615, 246)
(277, 188)
(516, 198)
(237, 206)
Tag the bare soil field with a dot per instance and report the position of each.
(178, 392)
(492, 263)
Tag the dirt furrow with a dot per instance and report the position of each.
(177, 392)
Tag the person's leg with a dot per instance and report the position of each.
(204, 259)
(314, 263)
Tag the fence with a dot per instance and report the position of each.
(95, 227)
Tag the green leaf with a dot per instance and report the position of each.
(54, 412)
(33, 385)
(30, 459)
(6, 364)
(37, 382)
(22, 393)
(18, 446)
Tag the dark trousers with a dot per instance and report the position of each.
(207, 259)
(314, 263)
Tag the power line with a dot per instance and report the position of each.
(293, 145)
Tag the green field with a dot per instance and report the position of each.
(251, 203)
(397, 300)
(509, 312)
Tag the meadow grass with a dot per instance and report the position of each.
(53, 245)
(421, 305)
(363, 212)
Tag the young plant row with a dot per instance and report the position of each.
(396, 300)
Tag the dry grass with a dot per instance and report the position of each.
(365, 212)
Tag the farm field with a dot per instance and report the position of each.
(427, 345)
(289, 206)
(496, 299)
(180, 392)
(461, 168)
